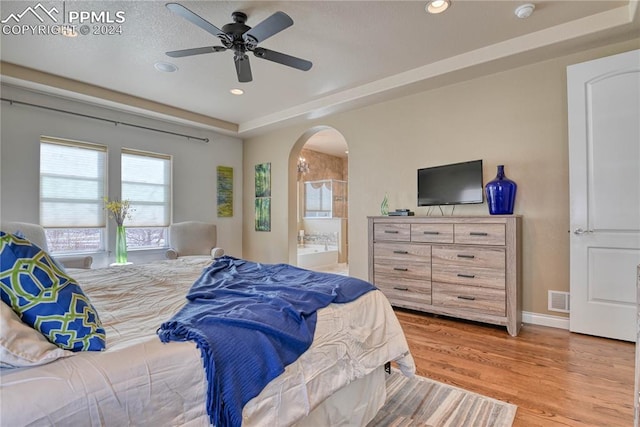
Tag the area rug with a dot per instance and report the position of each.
(421, 401)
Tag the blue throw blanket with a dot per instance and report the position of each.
(249, 321)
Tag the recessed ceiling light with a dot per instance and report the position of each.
(165, 67)
(68, 31)
(525, 10)
(237, 91)
(437, 6)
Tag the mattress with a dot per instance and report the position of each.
(138, 380)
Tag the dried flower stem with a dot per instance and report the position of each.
(118, 210)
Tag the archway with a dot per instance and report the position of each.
(318, 201)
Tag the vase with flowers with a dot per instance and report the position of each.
(119, 211)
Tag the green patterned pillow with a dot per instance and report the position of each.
(46, 298)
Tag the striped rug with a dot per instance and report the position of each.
(420, 401)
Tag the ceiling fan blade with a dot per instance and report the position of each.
(270, 26)
(243, 68)
(192, 17)
(195, 51)
(282, 58)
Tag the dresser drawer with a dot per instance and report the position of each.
(469, 256)
(403, 292)
(482, 300)
(395, 232)
(432, 233)
(479, 234)
(465, 275)
(402, 269)
(401, 252)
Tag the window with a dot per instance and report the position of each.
(146, 183)
(317, 199)
(325, 199)
(72, 188)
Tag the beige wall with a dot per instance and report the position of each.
(517, 118)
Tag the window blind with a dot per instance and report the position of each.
(72, 184)
(146, 183)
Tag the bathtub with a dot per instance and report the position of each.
(311, 256)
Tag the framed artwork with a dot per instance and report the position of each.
(263, 180)
(225, 191)
(263, 213)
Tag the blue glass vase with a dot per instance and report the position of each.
(501, 194)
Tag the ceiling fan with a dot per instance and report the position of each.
(241, 38)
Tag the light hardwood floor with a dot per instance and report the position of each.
(556, 378)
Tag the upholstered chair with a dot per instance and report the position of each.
(36, 235)
(193, 238)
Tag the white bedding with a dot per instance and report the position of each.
(140, 381)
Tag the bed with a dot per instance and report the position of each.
(139, 380)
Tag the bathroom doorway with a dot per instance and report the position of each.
(321, 170)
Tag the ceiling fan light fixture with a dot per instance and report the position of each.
(437, 6)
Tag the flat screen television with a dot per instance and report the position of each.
(454, 184)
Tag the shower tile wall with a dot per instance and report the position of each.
(324, 166)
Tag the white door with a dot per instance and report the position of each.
(604, 171)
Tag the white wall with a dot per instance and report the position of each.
(194, 162)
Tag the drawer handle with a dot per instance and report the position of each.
(400, 252)
(467, 276)
(397, 288)
(478, 233)
(431, 232)
(400, 269)
(391, 231)
(466, 256)
(466, 298)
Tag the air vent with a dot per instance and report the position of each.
(558, 301)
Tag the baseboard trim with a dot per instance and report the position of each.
(545, 320)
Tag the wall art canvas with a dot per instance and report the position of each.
(263, 213)
(263, 180)
(225, 191)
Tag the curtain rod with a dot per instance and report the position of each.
(115, 122)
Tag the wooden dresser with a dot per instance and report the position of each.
(465, 267)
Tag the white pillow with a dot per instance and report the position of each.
(21, 345)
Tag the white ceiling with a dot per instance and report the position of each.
(328, 141)
(362, 51)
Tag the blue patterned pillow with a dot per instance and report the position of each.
(58, 264)
(46, 298)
